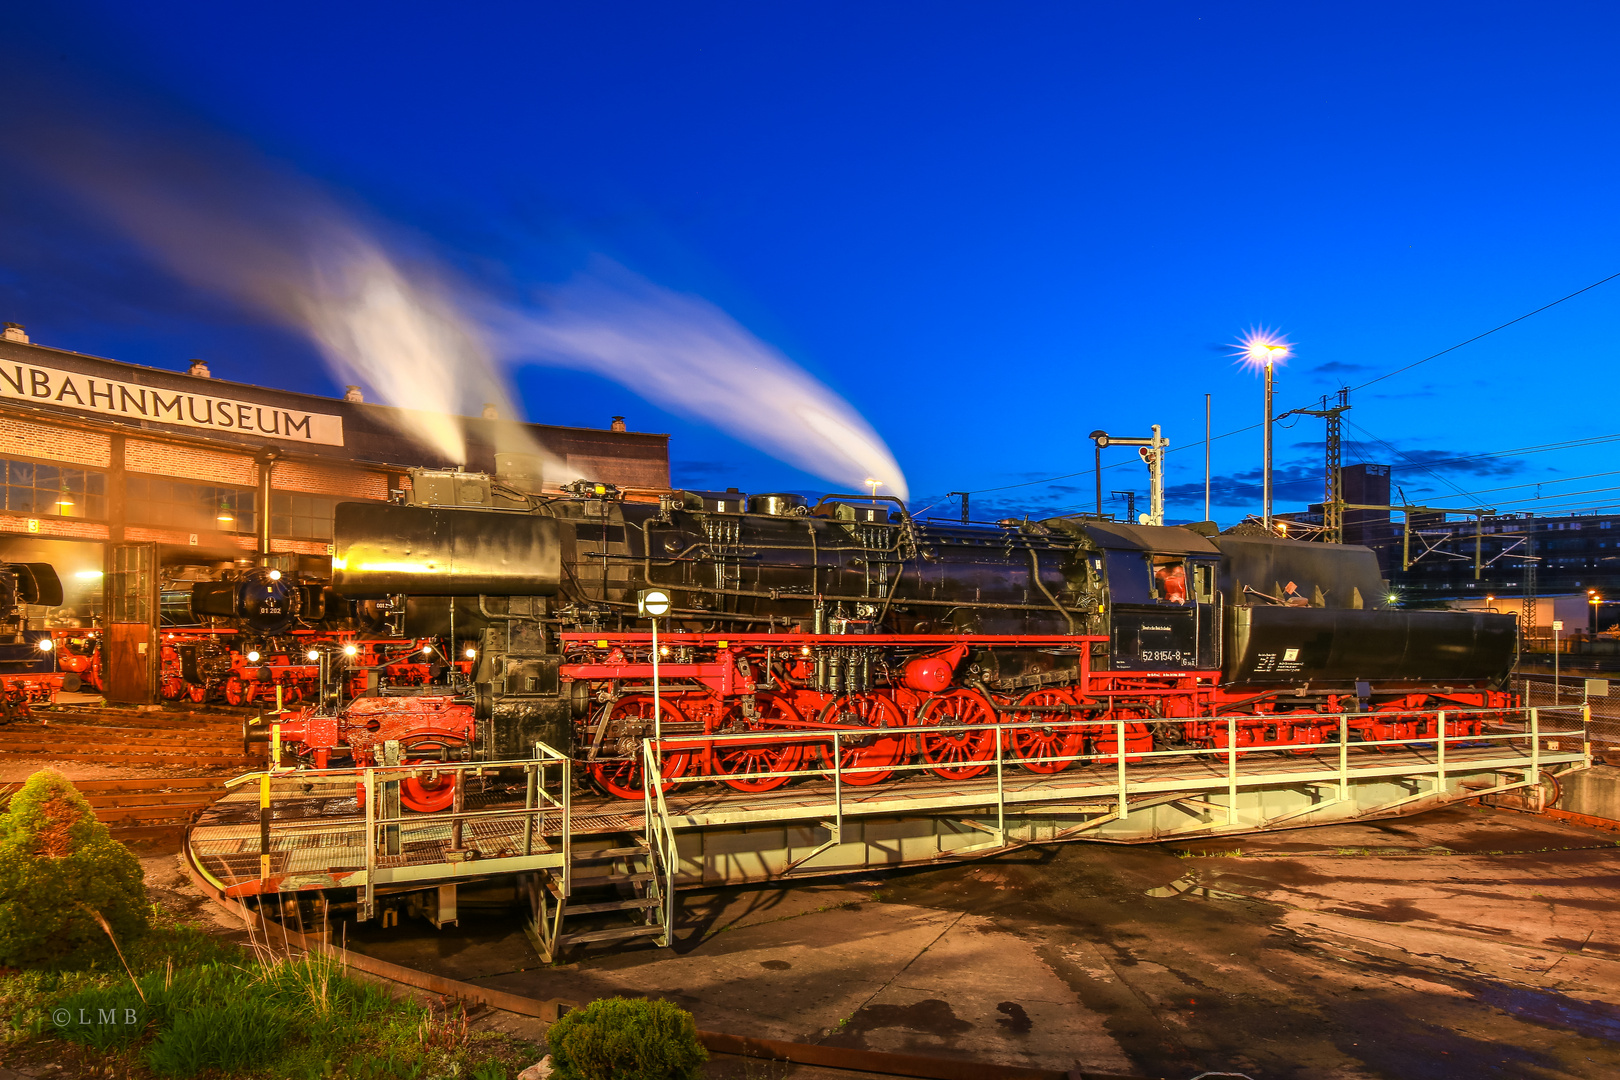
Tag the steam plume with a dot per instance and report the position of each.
(226, 220)
(690, 357)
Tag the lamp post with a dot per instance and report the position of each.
(1594, 600)
(1264, 350)
(653, 604)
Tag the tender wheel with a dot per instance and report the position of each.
(957, 755)
(1054, 740)
(622, 776)
(864, 759)
(775, 714)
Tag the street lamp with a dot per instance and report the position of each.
(653, 604)
(1263, 350)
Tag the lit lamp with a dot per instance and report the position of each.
(1261, 350)
(653, 604)
(1594, 599)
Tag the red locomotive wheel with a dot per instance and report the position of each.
(197, 692)
(775, 714)
(425, 794)
(864, 759)
(235, 690)
(1055, 740)
(622, 777)
(957, 755)
(173, 688)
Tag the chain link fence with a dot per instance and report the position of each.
(1541, 691)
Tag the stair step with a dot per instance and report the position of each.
(607, 853)
(609, 935)
(612, 905)
(595, 881)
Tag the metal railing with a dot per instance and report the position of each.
(1521, 729)
(377, 841)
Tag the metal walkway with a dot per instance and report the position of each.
(290, 831)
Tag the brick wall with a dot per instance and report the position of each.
(67, 445)
(314, 479)
(190, 463)
(303, 547)
(139, 534)
(66, 528)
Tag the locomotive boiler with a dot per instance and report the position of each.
(849, 627)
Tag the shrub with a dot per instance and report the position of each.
(626, 1039)
(59, 868)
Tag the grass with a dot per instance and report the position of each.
(191, 1005)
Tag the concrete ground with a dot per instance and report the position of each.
(1461, 943)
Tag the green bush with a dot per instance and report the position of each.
(59, 868)
(626, 1039)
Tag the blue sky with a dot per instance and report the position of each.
(991, 228)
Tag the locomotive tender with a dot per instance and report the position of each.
(793, 622)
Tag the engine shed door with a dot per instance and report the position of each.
(129, 659)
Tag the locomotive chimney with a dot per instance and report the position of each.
(15, 332)
(617, 425)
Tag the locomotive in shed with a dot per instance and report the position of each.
(796, 632)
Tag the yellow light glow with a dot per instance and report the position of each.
(1260, 348)
(471, 652)
(350, 650)
(312, 655)
(275, 575)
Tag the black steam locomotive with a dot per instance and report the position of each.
(853, 616)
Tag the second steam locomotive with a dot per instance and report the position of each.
(850, 628)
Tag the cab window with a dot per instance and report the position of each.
(1169, 579)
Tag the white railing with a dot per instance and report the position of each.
(1521, 729)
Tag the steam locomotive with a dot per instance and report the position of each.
(797, 632)
(29, 670)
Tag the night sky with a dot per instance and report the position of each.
(990, 228)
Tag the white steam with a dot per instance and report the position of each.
(689, 357)
(225, 220)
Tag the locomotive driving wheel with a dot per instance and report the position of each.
(1052, 740)
(864, 759)
(236, 690)
(628, 723)
(773, 713)
(957, 755)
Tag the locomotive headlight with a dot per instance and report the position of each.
(350, 650)
(45, 644)
(275, 575)
(653, 603)
(471, 652)
(253, 657)
(313, 654)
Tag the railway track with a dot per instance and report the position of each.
(174, 763)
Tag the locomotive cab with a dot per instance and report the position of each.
(1163, 614)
